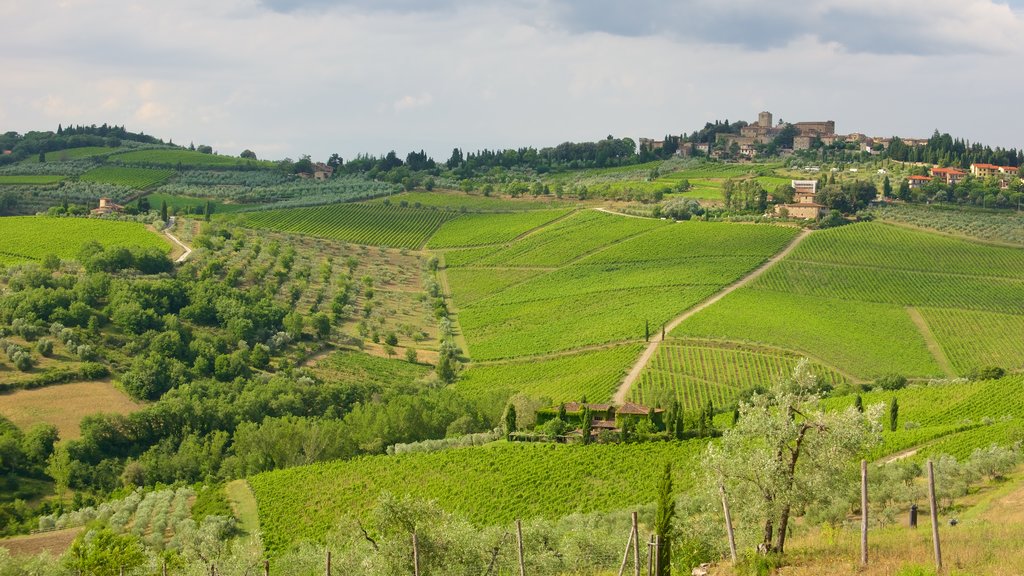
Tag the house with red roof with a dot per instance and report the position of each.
(949, 175)
(916, 182)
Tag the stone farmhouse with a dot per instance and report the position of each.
(949, 175)
(604, 416)
(1005, 174)
(804, 205)
(107, 206)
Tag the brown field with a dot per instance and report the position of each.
(55, 542)
(65, 405)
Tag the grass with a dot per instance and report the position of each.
(127, 176)
(28, 238)
(483, 229)
(390, 226)
(65, 405)
(349, 366)
(30, 179)
(243, 505)
(595, 375)
(495, 484)
(189, 204)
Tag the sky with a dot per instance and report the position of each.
(291, 77)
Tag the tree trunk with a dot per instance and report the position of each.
(783, 526)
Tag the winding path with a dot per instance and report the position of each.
(186, 248)
(622, 394)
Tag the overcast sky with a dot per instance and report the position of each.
(292, 77)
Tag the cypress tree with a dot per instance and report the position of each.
(894, 414)
(510, 421)
(208, 210)
(663, 521)
(858, 403)
(163, 210)
(647, 331)
(588, 419)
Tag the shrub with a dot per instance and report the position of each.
(891, 382)
(44, 347)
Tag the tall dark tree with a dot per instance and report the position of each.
(163, 210)
(510, 420)
(587, 424)
(894, 414)
(208, 210)
(858, 403)
(886, 187)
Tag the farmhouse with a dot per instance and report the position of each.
(322, 171)
(803, 205)
(604, 416)
(949, 175)
(107, 206)
(916, 182)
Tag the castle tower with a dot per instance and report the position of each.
(764, 119)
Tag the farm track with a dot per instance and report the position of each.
(930, 341)
(186, 248)
(446, 289)
(622, 394)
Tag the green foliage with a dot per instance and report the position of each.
(1001, 226)
(182, 157)
(29, 179)
(103, 552)
(357, 223)
(891, 382)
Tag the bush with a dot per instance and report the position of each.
(891, 382)
(987, 373)
(44, 347)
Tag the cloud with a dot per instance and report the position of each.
(409, 102)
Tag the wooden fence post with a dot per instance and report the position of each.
(728, 524)
(863, 512)
(935, 515)
(625, 555)
(519, 545)
(266, 568)
(636, 546)
(415, 555)
(328, 563)
(650, 553)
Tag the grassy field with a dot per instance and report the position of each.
(849, 296)
(189, 204)
(29, 179)
(594, 375)
(608, 276)
(496, 484)
(694, 373)
(482, 229)
(390, 226)
(65, 405)
(126, 176)
(175, 157)
(66, 236)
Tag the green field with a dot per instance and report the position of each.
(849, 296)
(694, 373)
(608, 276)
(29, 179)
(594, 375)
(73, 154)
(177, 156)
(389, 226)
(125, 176)
(1000, 226)
(482, 229)
(451, 200)
(488, 485)
(190, 204)
(28, 238)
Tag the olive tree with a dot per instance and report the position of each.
(785, 453)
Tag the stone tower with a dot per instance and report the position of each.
(764, 119)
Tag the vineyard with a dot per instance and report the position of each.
(66, 236)
(481, 229)
(496, 484)
(648, 273)
(594, 375)
(140, 178)
(974, 339)
(867, 279)
(246, 188)
(695, 373)
(189, 158)
(474, 202)
(29, 179)
(189, 204)
(73, 154)
(357, 223)
(989, 225)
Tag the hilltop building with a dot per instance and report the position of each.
(804, 205)
(107, 206)
(949, 175)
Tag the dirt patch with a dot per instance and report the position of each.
(56, 542)
(65, 405)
